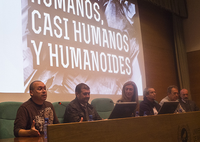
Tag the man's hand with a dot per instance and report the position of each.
(34, 132)
(81, 119)
(104, 119)
(29, 133)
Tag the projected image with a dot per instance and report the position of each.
(66, 42)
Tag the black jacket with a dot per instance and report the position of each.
(147, 107)
(74, 111)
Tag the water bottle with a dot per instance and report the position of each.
(45, 127)
(145, 113)
(137, 114)
(90, 118)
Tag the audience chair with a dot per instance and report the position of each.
(103, 106)
(8, 111)
(60, 110)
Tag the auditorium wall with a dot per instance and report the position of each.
(158, 46)
(192, 43)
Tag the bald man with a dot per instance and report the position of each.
(186, 104)
(31, 114)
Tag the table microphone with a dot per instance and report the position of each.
(61, 104)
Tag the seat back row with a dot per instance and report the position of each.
(8, 111)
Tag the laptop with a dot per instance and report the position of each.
(168, 107)
(123, 109)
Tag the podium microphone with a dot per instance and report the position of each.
(61, 104)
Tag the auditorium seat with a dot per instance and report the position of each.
(103, 106)
(60, 110)
(8, 111)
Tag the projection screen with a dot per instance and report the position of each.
(66, 42)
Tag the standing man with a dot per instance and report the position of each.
(31, 114)
(149, 106)
(79, 109)
(172, 95)
(186, 104)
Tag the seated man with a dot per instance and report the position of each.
(148, 105)
(172, 95)
(31, 114)
(79, 109)
(186, 104)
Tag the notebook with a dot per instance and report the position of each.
(123, 109)
(168, 107)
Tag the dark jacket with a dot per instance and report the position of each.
(188, 105)
(147, 107)
(75, 111)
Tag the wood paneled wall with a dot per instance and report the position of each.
(194, 74)
(158, 46)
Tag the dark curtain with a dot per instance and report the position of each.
(178, 7)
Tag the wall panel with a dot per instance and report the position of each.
(194, 68)
(158, 46)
